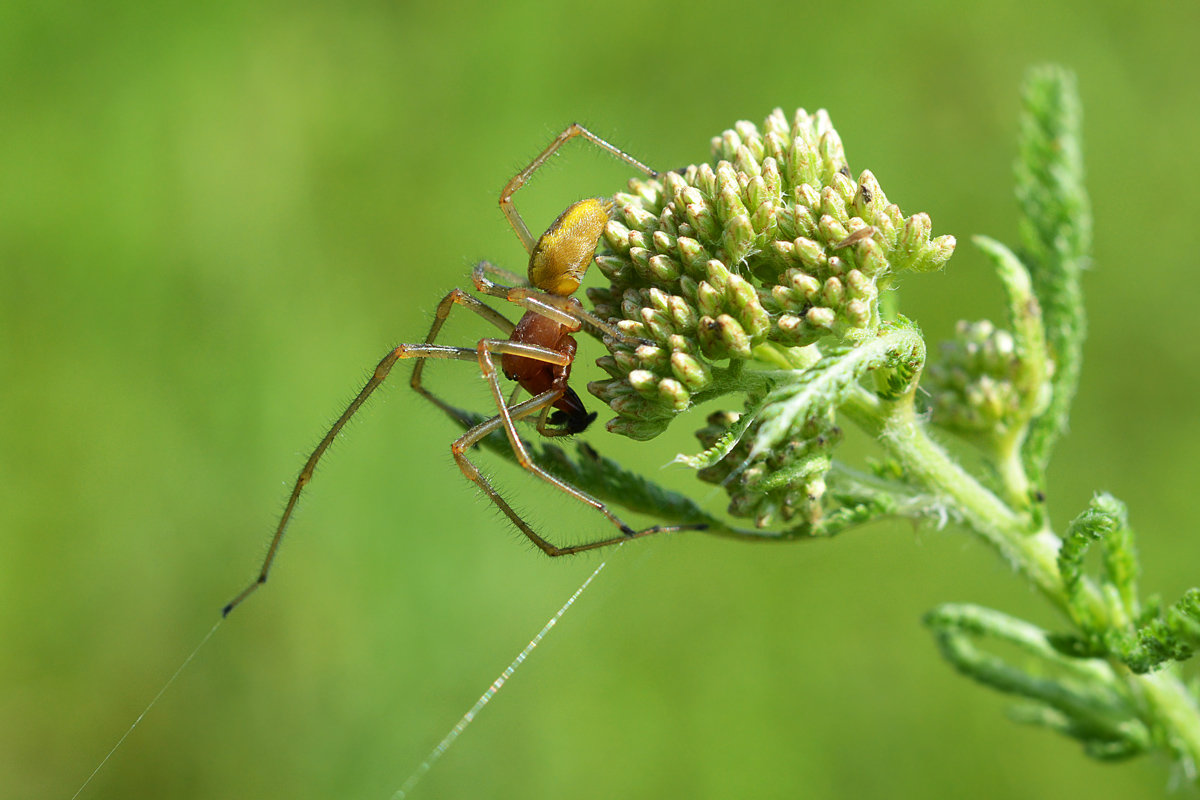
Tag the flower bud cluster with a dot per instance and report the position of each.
(771, 241)
(786, 484)
(974, 385)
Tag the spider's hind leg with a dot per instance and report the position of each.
(506, 418)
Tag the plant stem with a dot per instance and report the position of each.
(1175, 712)
(894, 423)
(1012, 470)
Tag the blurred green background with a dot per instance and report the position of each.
(215, 218)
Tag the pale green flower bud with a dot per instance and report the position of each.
(832, 229)
(644, 381)
(811, 254)
(832, 291)
(615, 269)
(702, 219)
(636, 217)
(723, 337)
(690, 371)
(821, 318)
(738, 239)
(616, 236)
(663, 270)
(837, 196)
(652, 357)
(674, 394)
(709, 299)
(628, 405)
(693, 254)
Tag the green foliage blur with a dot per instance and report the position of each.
(215, 218)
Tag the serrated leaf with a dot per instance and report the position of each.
(825, 384)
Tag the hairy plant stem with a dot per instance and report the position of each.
(895, 425)
(1169, 707)
(1174, 710)
(1012, 471)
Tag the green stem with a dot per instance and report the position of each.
(1175, 713)
(895, 424)
(1011, 469)
(1012, 474)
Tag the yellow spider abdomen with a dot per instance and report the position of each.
(563, 254)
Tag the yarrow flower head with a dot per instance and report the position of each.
(771, 242)
(975, 384)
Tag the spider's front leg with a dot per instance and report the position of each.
(518, 180)
(563, 309)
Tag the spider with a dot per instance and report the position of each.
(537, 353)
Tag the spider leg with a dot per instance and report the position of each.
(506, 419)
(543, 423)
(566, 311)
(453, 298)
(518, 180)
(508, 276)
(554, 306)
(526, 296)
(420, 351)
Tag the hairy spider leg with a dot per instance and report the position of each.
(507, 418)
(454, 297)
(421, 352)
(565, 310)
(518, 180)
